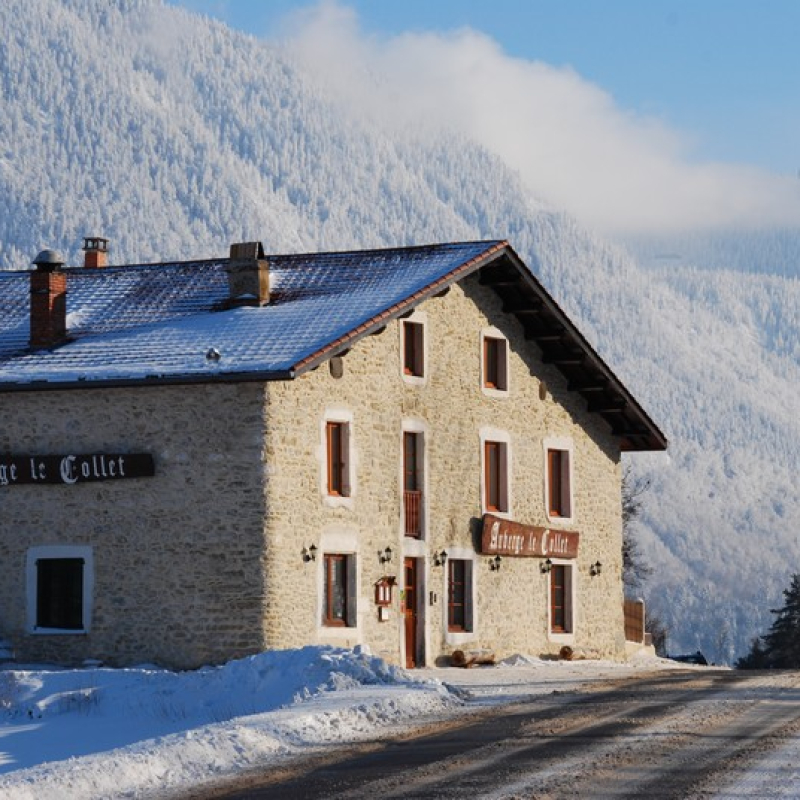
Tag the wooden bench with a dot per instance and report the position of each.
(472, 658)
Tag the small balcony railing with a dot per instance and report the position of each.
(412, 506)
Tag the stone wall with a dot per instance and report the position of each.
(205, 560)
(178, 557)
(449, 405)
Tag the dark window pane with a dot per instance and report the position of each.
(59, 593)
(456, 595)
(336, 590)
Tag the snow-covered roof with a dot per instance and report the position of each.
(174, 323)
(159, 321)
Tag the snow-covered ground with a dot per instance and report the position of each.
(103, 733)
(147, 732)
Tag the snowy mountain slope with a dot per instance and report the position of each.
(175, 136)
(768, 250)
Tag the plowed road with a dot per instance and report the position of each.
(693, 734)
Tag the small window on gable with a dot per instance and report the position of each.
(559, 491)
(495, 466)
(495, 363)
(339, 591)
(413, 349)
(338, 458)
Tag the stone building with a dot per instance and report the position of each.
(412, 449)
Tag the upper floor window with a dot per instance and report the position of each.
(337, 436)
(413, 348)
(495, 466)
(413, 482)
(495, 362)
(559, 490)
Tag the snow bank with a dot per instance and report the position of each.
(103, 733)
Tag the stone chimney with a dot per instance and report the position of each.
(96, 250)
(248, 275)
(48, 300)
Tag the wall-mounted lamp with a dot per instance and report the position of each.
(385, 556)
(494, 563)
(595, 569)
(546, 566)
(309, 553)
(439, 559)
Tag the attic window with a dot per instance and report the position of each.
(495, 362)
(412, 349)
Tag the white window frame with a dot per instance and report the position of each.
(418, 318)
(346, 500)
(567, 637)
(505, 372)
(84, 552)
(565, 444)
(457, 638)
(488, 434)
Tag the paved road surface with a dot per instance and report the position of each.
(665, 735)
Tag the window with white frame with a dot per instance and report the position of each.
(560, 601)
(338, 440)
(495, 471)
(494, 362)
(413, 483)
(60, 582)
(339, 590)
(459, 595)
(558, 473)
(495, 462)
(413, 348)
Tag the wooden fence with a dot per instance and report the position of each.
(634, 620)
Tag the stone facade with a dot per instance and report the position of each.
(178, 573)
(205, 560)
(451, 408)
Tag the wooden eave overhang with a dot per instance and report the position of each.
(545, 324)
(563, 346)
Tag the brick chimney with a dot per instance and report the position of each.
(48, 300)
(248, 275)
(96, 252)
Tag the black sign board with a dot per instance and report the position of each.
(71, 469)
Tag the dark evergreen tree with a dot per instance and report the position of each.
(782, 643)
(756, 658)
(780, 648)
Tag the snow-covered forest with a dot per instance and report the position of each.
(174, 136)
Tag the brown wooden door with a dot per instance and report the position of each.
(410, 610)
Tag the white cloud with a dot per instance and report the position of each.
(616, 171)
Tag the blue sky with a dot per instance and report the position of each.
(633, 115)
(725, 73)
